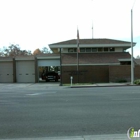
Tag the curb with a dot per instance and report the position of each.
(86, 137)
(89, 86)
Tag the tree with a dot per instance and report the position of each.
(14, 50)
(1, 53)
(24, 52)
(138, 57)
(37, 51)
(45, 50)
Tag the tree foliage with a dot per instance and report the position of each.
(44, 50)
(13, 50)
(37, 51)
(1, 53)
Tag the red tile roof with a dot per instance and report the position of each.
(94, 58)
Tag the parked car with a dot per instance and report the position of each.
(52, 76)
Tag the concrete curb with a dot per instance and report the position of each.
(86, 137)
(102, 85)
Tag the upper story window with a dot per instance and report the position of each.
(94, 49)
(72, 49)
(100, 49)
(82, 49)
(111, 49)
(105, 49)
(90, 50)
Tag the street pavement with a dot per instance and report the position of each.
(87, 137)
(49, 111)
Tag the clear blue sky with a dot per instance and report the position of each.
(36, 23)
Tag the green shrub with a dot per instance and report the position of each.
(137, 82)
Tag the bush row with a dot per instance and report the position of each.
(137, 82)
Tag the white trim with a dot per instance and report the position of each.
(27, 59)
(127, 59)
(127, 45)
(48, 62)
(52, 57)
(98, 64)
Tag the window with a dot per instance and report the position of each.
(100, 49)
(105, 49)
(88, 49)
(72, 49)
(111, 49)
(82, 49)
(125, 63)
(94, 49)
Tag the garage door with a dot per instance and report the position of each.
(25, 71)
(49, 62)
(6, 72)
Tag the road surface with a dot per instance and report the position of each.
(40, 110)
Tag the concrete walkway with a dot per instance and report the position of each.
(101, 85)
(88, 137)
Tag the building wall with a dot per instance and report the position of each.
(87, 74)
(99, 74)
(137, 72)
(123, 72)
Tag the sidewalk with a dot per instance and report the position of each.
(102, 85)
(88, 137)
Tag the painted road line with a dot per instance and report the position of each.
(35, 94)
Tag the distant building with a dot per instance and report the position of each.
(94, 52)
(99, 60)
(95, 58)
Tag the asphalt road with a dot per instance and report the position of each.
(40, 110)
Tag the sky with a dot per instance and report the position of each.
(36, 23)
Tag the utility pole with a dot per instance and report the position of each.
(60, 66)
(132, 61)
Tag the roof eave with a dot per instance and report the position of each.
(48, 58)
(127, 45)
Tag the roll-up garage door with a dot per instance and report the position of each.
(55, 62)
(6, 72)
(25, 71)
